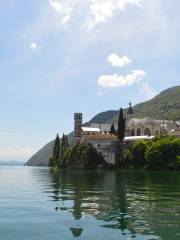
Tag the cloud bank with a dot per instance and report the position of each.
(99, 11)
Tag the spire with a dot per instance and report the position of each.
(130, 110)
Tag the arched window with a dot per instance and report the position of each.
(132, 132)
(147, 132)
(139, 132)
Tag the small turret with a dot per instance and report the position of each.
(130, 110)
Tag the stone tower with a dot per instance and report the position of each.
(77, 128)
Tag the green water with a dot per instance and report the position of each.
(36, 203)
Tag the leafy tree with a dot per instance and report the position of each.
(112, 130)
(159, 154)
(83, 154)
(121, 126)
(163, 154)
(138, 153)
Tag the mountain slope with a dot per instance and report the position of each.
(165, 105)
(41, 158)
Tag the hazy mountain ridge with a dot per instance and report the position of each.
(165, 105)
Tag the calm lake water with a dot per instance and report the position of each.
(36, 203)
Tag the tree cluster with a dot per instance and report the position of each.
(82, 156)
(60, 146)
(161, 153)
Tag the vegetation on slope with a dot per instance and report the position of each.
(166, 105)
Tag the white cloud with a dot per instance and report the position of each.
(15, 153)
(56, 5)
(117, 61)
(114, 81)
(101, 10)
(64, 8)
(147, 91)
(33, 46)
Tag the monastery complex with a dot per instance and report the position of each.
(136, 129)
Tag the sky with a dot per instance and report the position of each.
(58, 57)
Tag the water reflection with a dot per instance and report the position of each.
(135, 203)
(76, 232)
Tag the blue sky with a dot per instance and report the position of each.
(62, 56)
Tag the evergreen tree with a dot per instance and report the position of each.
(121, 126)
(112, 130)
(67, 142)
(64, 142)
(64, 147)
(56, 152)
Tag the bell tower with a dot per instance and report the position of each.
(77, 128)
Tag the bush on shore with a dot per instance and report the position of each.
(161, 153)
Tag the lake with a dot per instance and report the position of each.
(36, 203)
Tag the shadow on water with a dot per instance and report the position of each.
(135, 203)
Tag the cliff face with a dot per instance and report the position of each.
(166, 105)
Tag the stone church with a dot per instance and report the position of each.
(149, 127)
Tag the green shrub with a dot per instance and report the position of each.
(138, 153)
(163, 154)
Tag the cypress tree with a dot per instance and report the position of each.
(67, 143)
(121, 126)
(64, 147)
(112, 130)
(56, 151)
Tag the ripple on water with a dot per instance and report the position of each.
(36, 203)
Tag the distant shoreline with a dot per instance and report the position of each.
(11, 163)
